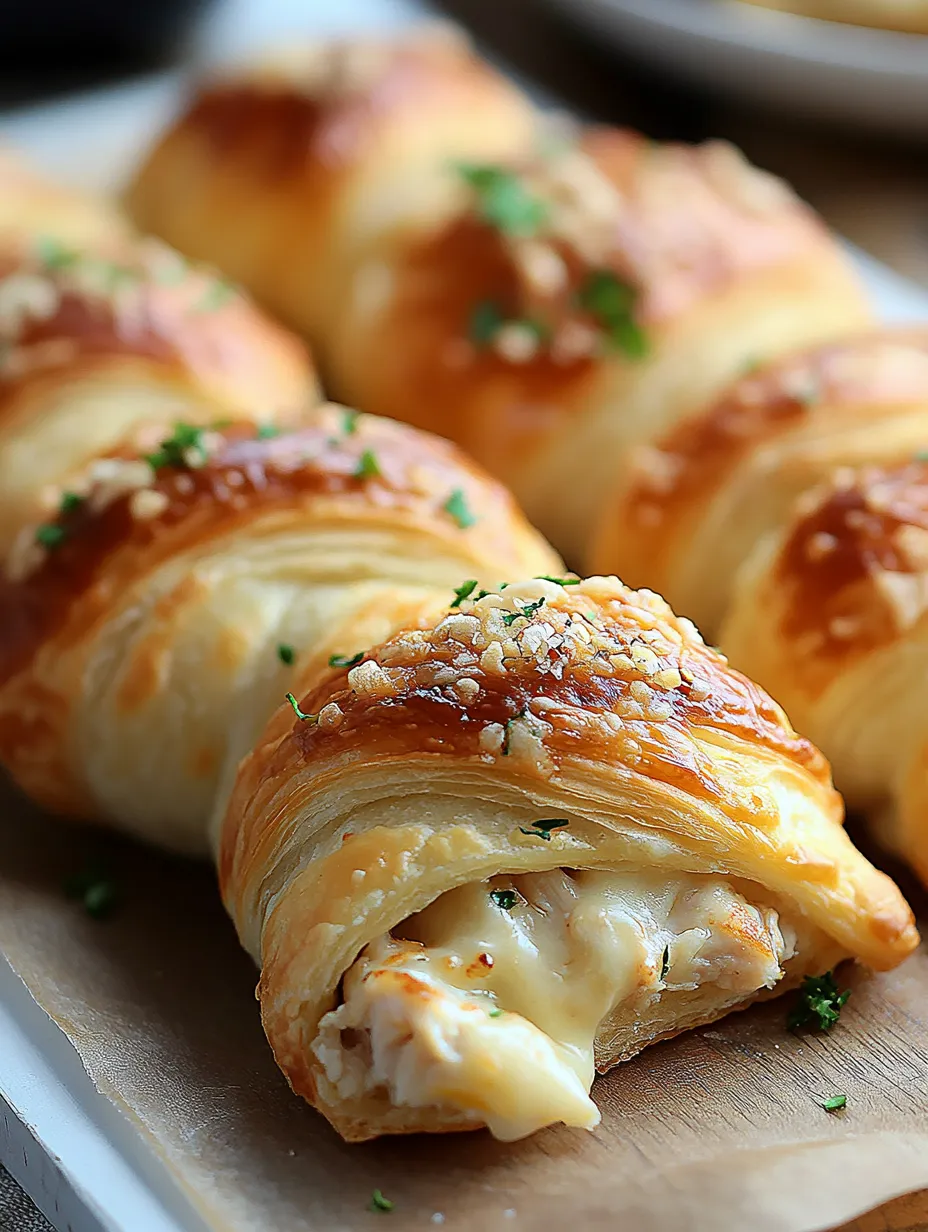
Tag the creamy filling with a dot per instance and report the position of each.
(486, 1004)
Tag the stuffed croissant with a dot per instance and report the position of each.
(151, 623)
(517, 843)
(833, 614)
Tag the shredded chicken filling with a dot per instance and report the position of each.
(486, 1004)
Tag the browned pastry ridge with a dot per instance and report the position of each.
(908, 16)
(97, 351)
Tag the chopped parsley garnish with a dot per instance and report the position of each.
(96, 891)
(496, 1012)
(665, 961)
(306, 718)
(367, 467)
(834, 1103)
(503, 201)
(184, 448)
(504, 899)
(528, 610)
(286, 654)
(921, 456)
(819, 1003)
(379, 1202)
(216, 294)
(69, 502)
(50, 536)
(338, 660)
(351, 422)
(486, 321)
(611, 302)
(53, 254)
(507, 730)
(464, 591)
(170, 273)
(266, 431)
(456, 506)
(542, 829)
(564, 581)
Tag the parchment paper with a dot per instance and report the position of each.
(716, 1131)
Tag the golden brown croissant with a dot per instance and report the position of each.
(151, 624)
(95, 350)
(32, 207)
(284, 173)
(630, 282)
(832, 614)
(689, 509)
(537, 832)
(910, 16)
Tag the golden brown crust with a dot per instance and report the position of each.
(424, 764)
(291, 167)
(569, 381)
(61, 308)
(908, 16)
(689, 509)
(32, 207)
(831, 615)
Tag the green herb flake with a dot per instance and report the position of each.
(921, 456)
(496, 1012)
(96, 891)
(464, 591)
(611, 303)
(267, 431)
(504, 899)
(350, 422)
(528, 610)
(286, 654)
(379, 1202)
(53, 254)
(305, 718)
(338, 660)
(819, 1003)
(834, 1103)
(507, 730)
(70, 501)
(559, 581)
(665, 961)
(542, 829)
(503, 201)
(456, 507)
(486, 320)
(368, 467)
(183, 449)
(50, 536)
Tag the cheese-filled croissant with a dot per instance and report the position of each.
(95, 349)
(282, 173)
(690, 508)
(32, 207)
(832, 615)
(518, 842)
(151, 624)
(582, 301)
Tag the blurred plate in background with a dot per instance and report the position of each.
(819, 68)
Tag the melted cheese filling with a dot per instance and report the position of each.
(486, 1004)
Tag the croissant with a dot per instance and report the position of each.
(153, 622)
(95, 350)
(910, 16)
(832, 613)
(283, 173)
(521, 841)
(32, 207)
(688, 509)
